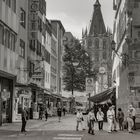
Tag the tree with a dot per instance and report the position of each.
(75, 75)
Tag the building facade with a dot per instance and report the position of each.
(30, 59)
(126, 56)
(22, 94)
(36, 49)
(59, 31)
(8, 57)
(97, 42)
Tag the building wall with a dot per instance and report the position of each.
(8, 55)
(125, 69)
(47, 63)
(8, 58)
(54, 59)
(99, 49)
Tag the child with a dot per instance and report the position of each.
(91, 119)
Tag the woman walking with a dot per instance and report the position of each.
(120, 118)
(100, 118)
(79, 117)
(130, 119)
(46, 113)
(91, 120)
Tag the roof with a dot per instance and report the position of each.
(97, 25)
(103, 96)
(60, 23)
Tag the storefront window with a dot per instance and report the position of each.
(19, 108)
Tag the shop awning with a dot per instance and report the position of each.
(103, 96)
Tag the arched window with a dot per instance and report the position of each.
(89, 42)
(104, 44)
(104, 54)
(96, 43)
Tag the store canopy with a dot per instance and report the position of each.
(103, 96)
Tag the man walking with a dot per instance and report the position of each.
(130, 119)
(24, 119)
(110, 119)
(133, 116)
(114, 118)
(91, 119)
(100, 118)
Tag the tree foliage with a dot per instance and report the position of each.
(75, 75)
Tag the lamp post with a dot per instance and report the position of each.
(122, 56)
(89, 75)
(73, 65)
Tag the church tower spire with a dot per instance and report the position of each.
(97, 25)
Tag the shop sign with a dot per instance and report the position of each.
(5, 95)
(89, 85)
(34, 8)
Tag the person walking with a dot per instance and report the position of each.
(40, 112)
(114, 124)
(64, 111)
(130, 119)
(134, 116)
(46, 113)
(120, 118)
(59, 112)
(24, 120)
(91, 119)
(110, 119)
(100, 118)
(79, 117)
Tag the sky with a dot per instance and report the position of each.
(76, 14)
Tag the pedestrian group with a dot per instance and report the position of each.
(112, 119)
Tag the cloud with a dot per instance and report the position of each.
(69, 23)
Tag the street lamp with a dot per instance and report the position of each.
(73, 65)
(123, 56)
(89, 75)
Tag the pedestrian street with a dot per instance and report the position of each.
(64, 130)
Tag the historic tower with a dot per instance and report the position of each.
(97, 41)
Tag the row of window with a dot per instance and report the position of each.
(22, 18)
(47, 77)
(96, 43)
(42, 6)
(104, 56)
(7, 37)
(35, 45)
(47, 56)
(31, 68)
(22, 48)
(11, 4)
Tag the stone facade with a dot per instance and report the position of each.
(127, 61)
(97, 43)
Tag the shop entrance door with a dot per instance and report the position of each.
(5, 111)
(6, 100)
